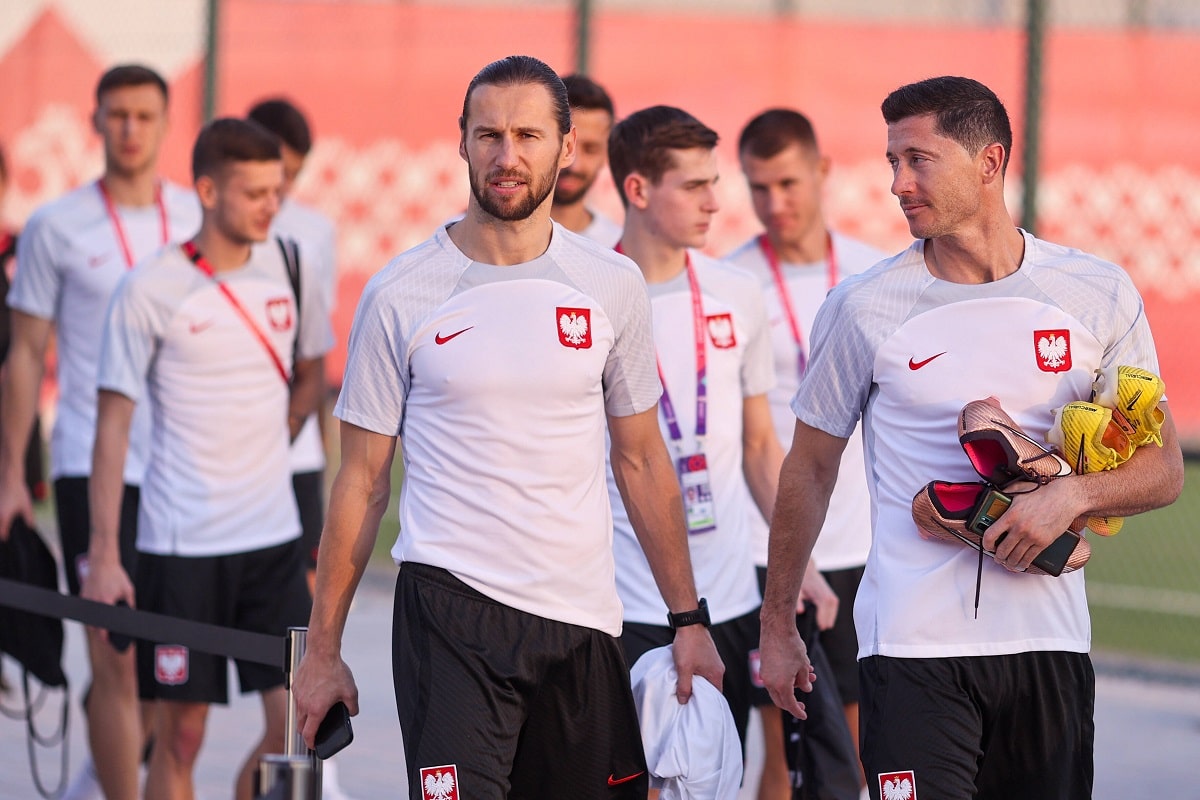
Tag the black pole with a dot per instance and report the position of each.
(583, 35)
(1034, 50)
(209, 103)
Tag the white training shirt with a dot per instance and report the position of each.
(908, 351)
(315, 234)
(846, 536)
(218, 481)
(497, 379)
(69, 260)
(738, 358)
(602, 230)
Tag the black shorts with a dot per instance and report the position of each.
(75, 525)
(261, 591)
(983, 727)
(737, 644)
(310, 499)
(499, 703)
(841, 641)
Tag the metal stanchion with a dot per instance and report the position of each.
(295, 775)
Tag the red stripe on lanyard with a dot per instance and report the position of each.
(785, 298)
(700, 332)
(189, 249)
(119, 229)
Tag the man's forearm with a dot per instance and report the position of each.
(356, 507)
(304, 400)
(799, 514)
(19, 384)
(650, 491)
(107, 482)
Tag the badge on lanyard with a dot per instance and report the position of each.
(698, 504)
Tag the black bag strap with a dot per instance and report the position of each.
(291, 259)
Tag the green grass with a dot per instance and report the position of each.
(1144, 583)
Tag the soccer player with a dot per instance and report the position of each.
(953, 705)
(592, 115)
(204, 334)
(70, 257)
(498, 350)
(714, 357)
(797, 259)
(315, 234)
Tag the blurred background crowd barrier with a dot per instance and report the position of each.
(1105, 91)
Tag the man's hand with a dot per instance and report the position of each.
(817, 590)
(14, 502)
(1036, 518)
(785, 667)
(319, 682)
(106, 582)
(695, 654)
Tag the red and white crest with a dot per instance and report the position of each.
(439, 783)
(720, 330)
(171, 664)
(898, 785)
(574, 327)
(1052, 350)
(279, 313)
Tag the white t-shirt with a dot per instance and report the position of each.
(497, 379)
(218, 481)
(906, 352)
(602, 230)
(69, 260)
(315, 234)
(846, 536)
(738, 356)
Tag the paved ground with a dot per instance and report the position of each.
(1147, 724)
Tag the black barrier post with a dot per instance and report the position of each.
(295, 775)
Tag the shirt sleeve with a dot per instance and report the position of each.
(37, 283)
(132, 330)
(376, 381)
(834, 389)
(631, 382)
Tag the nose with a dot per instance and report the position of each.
(711, 204)
(776, 200)
(901, 180)
(506, 153)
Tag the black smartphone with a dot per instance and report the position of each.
(334, 732)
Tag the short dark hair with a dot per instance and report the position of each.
(227, 140)
(774, 130)
(518, 70)
(964, 110)
(643, 141)
(124, 75)
(283, 119)
(585, 93)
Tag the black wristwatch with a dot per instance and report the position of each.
(685, 618)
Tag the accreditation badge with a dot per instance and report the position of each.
(697, 494)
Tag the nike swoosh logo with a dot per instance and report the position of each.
(95, 261)
(916, 365)
(197, 327)
(615, 781)
(439, 339)
(1137, 396)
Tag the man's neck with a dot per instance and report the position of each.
(222, 253)
(131, 189)
(481, 237)
(808, 248)
(574, 217)
(980, 255)
(658, 260)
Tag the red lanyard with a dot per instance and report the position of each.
(785, 297)
(189, 249)
(700, 332)
(115, 218)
